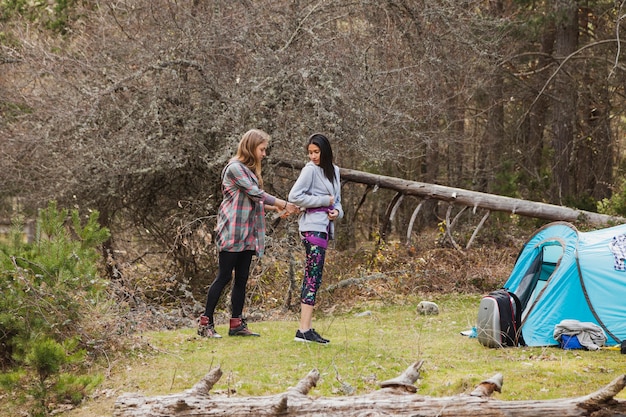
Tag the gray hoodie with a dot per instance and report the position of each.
(312, 190)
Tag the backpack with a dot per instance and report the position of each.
(499, 320)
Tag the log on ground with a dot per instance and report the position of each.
(395, 397)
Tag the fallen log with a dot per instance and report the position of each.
(468, 198)
(395, 397)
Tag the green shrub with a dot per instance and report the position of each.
(46, 358)
(616, 205)
(46, 283)
(73, 389)
(49, 287)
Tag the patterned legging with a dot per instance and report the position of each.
(313, 269)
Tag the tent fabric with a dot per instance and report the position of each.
(564, 274)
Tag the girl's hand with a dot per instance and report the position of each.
(333, 214)
(292, 208)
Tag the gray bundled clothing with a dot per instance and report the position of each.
(589, 335)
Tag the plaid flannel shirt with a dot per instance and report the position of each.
(241, 215)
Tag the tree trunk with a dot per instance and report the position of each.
(566, 12)
(395, 397)
(492, 149)
(493, 145)
(594, 151)
(531, 146)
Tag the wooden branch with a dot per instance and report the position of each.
(365, 193)
(309, 382)
(606, 394)
(396, 397)
(406, 379)
(409, 229)
(472, 198)
(203, 387)
(480, 225)
(488, 386)
(449, 225)
(457, 217)
(394, 210)
(390, 213)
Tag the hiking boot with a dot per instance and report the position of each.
(239, 327)
(207, 329)
(310, 336)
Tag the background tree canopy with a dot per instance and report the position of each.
(133, 107)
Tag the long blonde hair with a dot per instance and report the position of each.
(246, 151)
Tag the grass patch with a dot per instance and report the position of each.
(365, 349)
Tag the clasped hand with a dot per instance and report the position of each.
(332, 214)
(289, 209)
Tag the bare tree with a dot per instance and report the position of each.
(135, 106)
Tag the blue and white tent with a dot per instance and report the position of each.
(562, 273)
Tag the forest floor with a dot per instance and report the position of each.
(387, 272)
(374, 277)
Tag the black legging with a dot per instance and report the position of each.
(240, 262)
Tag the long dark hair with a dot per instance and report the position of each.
(326, 155)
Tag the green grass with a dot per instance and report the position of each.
(364, 350)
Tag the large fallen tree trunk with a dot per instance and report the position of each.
(469, 198)
(395, 397)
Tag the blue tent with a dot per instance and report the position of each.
(562, 273)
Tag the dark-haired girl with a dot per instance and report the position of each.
(318, 192)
